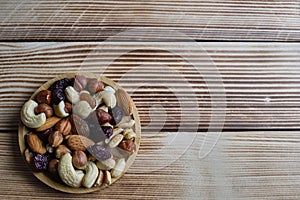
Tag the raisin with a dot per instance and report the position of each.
(107, 130)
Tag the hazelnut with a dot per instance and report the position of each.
(61, 150)
(103, 116)
(44, 96)
(44, 108)
(64, 126)
(52, 166)
(88, 98)
(128, 145)
(79, 159)
(80, 82)
(94, 85)
(68, 107)
(55, 138)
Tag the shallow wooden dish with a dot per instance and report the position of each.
(127, 101)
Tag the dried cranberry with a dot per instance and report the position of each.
(58, 96)
(107, 130)
(41, 161)
(116, 114)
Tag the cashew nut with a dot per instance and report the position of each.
(129, 133)
(60, 109)
(83, 109)
(109, 88)
(67, 173)
(107, 97)
(71, 94)
(107, 164)
(119, 168)
(91, 175)
(107, 178)
(29, 118)
(126, 122)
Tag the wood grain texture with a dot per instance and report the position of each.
(260, 80)
(242, 165)
(258, 20)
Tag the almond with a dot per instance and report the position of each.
(50, 122)
(36, 144)
(79, 142)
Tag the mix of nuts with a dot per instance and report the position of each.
(80, 132)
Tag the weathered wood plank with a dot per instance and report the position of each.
(242, 165)
(261, 81)
(257, 20)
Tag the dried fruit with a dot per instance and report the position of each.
(58, 96)
(99, 152)
(40, 161)
(116, 114)
(44, 108)
(35, 144)
(64, 126)
(43, 135)
(61, 84)
(107, 130)
(44, 96)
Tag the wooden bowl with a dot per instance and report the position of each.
(124, 102)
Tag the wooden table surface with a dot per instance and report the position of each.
(216, 84)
